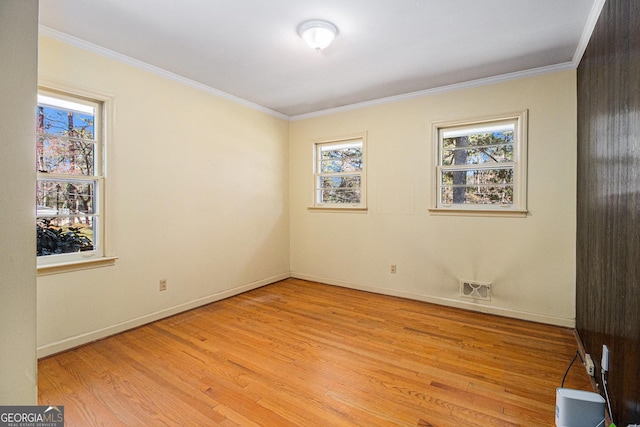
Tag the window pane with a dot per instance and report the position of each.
(65, 198)
(341, 151)
(477, 176)
(64, 235)
(66, 122)
(485, 135)
(344, 165)
(339, 195)
(482, 195)
(340, 189)
(350, 181)
(65, 156)
(478, 155)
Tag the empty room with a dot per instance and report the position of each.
(331, 213)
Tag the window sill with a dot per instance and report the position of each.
(66, 267)
(510, 213)
(350, 209)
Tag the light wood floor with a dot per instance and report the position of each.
(306, 354)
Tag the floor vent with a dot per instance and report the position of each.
(475, 290)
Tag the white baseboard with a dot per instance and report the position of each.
(78, 340)
(499, 311)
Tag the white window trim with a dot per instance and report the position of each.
(519, 207)
(336, 207)
(105, 255)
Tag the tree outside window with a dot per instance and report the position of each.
(481, 165)
(68, 154)
(339, 173)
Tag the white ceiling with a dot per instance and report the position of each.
(250, 49)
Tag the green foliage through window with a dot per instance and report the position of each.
(68, 176)
(53, 239)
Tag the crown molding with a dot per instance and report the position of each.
(582, 45)
(441, 89)
(592, 20)
(94, 48)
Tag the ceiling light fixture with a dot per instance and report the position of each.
(317, 33)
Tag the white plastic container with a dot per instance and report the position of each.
(578, 408)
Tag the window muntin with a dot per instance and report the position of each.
(481, 164)
(70, 178)
(339, 173)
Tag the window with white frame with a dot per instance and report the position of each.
(481, 164)
(70, 178)
(339, 175)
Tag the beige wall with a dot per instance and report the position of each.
(198, 194)
(213, 196)
(18, 50)
(529, 261)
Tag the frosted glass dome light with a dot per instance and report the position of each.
(317, 33)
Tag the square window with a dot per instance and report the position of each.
(481, 164)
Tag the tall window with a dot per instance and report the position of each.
(339, 173)
(69, 162)
(481, 165)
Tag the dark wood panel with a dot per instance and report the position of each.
(608, 212)
(306, 354)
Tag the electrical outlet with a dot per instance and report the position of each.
(394, 269)
(589, 365)
(163, 284)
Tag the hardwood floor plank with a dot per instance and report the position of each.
(301, 353)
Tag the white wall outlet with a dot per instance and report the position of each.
(589, 365)
(163, 284)
(605, 358)
(394, 269)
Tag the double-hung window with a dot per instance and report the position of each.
(339, 178)
(481, 165)
(70, 178)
